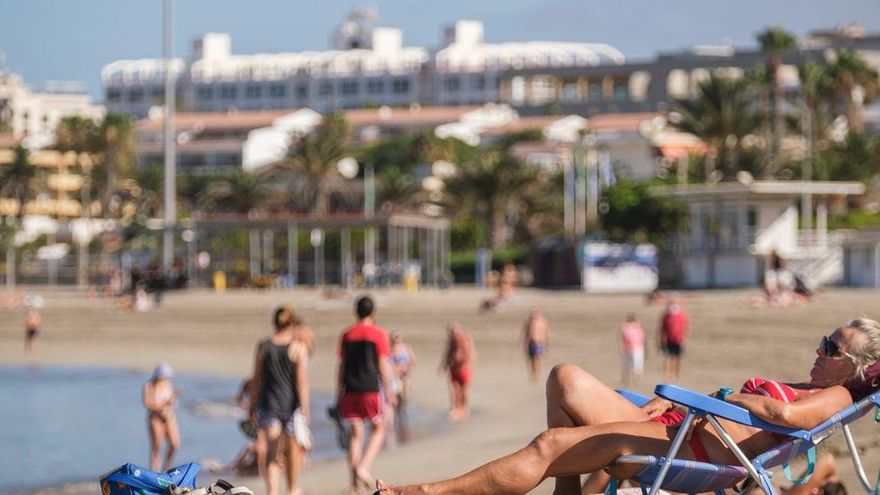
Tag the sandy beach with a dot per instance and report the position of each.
(199, 331)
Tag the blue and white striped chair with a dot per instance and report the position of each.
(685, 476)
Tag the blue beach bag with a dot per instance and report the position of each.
(131, 479)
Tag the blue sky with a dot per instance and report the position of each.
(67, 40)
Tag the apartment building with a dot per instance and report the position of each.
(34, 115)
(654, 85)
(368, 66)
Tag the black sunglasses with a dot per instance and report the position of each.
(830, 347)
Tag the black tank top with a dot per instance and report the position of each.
(278, 393)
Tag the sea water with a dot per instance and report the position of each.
(62, 425)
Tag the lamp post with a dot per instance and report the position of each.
(348, 167)
(169, 149)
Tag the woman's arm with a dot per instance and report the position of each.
(805, 413)
(302, 384)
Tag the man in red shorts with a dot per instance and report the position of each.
(363, 373)
(674, 329)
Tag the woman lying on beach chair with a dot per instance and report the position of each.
(591, 425)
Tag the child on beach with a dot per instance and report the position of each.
(632, 349)
(403, 360)
(160, 398)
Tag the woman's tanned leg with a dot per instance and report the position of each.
(555, 452)
(577, 398)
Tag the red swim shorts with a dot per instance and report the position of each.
(361, 405)
(461, 376)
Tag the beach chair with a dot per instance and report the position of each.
(686, 476)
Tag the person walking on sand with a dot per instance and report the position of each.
(364, 372)
(674, 329)
(535, 340)
(280, 402)
(632, 349)
(160, 398)
(458, 360)
(32, 325)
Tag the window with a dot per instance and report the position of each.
(158, 92)
(594, 93)
(136, 95)
(570, 92)
(452, 83)
(277, 90)
(326, 88)
(478, 81)
(621, 93)
(302, 91)
(375, 86)
(206, 92)
(113, 94)
(253, 91)
(400, 85)
(349, 87)
(228, 92)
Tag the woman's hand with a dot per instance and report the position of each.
(657, 406)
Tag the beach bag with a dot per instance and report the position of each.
(131, 479)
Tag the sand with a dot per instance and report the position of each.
(199, 331)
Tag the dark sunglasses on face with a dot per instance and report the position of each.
(830, 347)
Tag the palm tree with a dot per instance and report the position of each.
(775, 41)
(397, 188)
(17, 182)
(849, 72)
(239, 192)
(78, 134)
(150, 181)
(721, 114)
(115, 144)
(314, 157)
(818, 94)
(489, 185)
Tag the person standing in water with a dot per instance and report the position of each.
(160, 398)
(403, 360)
(535, 340)
(458, 360)
(280, 402)
(32, 324)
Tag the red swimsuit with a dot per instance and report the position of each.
(755, 386)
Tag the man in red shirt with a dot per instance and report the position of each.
(364, 373)
(674, 328)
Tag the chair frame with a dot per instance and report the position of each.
(758, 468)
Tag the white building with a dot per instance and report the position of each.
(33, 115)
(733, 227)
(467, 70)
(862, 259)
(369, 66)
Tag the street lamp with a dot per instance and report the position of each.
(348, 167)
(169, 140)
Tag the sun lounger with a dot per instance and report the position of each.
(686, 476)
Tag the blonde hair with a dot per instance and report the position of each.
(869, 353)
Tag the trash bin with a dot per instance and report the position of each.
(219, 281)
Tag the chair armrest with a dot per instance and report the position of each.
(636, 399)
(702, 404)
